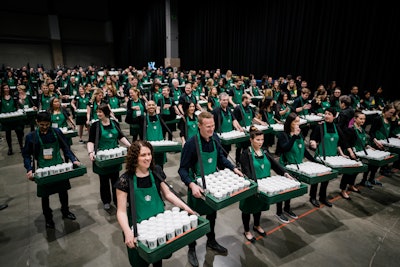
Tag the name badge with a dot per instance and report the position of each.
(54, 125)
(26, 106)
(48, 153)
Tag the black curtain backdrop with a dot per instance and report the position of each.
(352, 42)
(139, 33)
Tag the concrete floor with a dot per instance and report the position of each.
(362, 232)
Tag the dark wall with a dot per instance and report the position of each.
(351, 42)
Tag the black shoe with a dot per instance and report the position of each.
(3, 206)
(10, 152)
(326, 203)
(376, 182)
(69, 215)
(192, 258)
(260, 233)
(355, 191)
(252, 240)
(50, 224)
(314, 202)
(216, 247)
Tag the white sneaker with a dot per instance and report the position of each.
(107, 206)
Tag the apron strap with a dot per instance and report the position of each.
(132, 207)
(145, 127)
(118, 128)
(322, 140)
(203, 179)
(253, 172)
(165, 125)
(97, 137)
(169, 186)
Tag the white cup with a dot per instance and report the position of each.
(170, 232)
(152, 241)
(175, 209)
(143, 239)
(178, 228)
(161, 237)
(193, 221)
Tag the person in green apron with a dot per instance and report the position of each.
(60, 117)
(105, 134)
(211, 155)
(225, 121)
(358, 139)
(333, 141)
(43, 145)
(148, 188)
(291, 148)
(381, 129)
(235, 93)
(302, 107)
(320, 102)
(187, 97)
(245, 115)
(282, 109)
(152, 130)
(188, 126)
(168, 110)
(355, 98)
(80, 102)
(213, 101)
(268, 115)
(92, 106)
(114, 100)
(256, 164)
(25, 102)
(9, 104)
(135, 112)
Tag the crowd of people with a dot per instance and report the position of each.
(206, 104)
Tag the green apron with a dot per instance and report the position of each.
(209, 160)
(361, 139)
(45, 101)
(53, 152)
(7, 105)
(237, 95)
(82, 102)
(154, 133)
(58, 120)
(94, 112)
(303, 111)
(331, 143)
(114, 102)
(226, 122)
(384, 131)
(148, 203)
(108, 140)
(137, 113)
(192, 127)
(295, 154)
(255, 91)
(247, 116)
(324, 106)
(164, 111)
(216, 102)
(262, 168)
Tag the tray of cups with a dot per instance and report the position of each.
(58, 172)
(13, 116)
(110, 157)
(224, 188)
(279, 188)
(233, 137)
(119, 111)
(311, 172)
(166, 146)
(81, 112)
(167, 232)
(266, 129)
(69, 133)
(377, 157)
(344, 165)
(391, 142)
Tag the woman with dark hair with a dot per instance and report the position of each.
(257, 164)
(292, 149)
(282, 108)
(188, 125)
(9, 104)
(105, 134)
(147, 181)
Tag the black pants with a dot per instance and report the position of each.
(322, 190)
(246, 220)
(211, 235)
(48, 212)
(347, 179)
(107, 181)
(20, 136)
(279, 207)
(371, 171)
